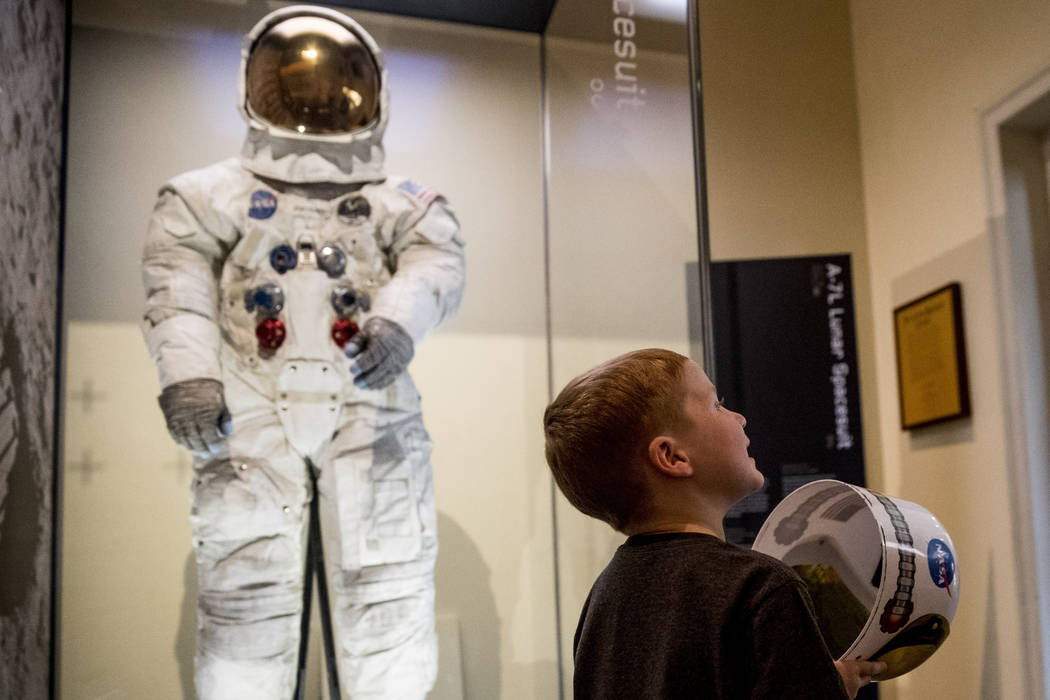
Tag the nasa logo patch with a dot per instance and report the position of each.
(942, 564)
(263, 204)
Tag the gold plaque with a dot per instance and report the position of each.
(931, 358)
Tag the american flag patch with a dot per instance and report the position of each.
(423, 194)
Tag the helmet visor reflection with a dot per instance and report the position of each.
(313, 76)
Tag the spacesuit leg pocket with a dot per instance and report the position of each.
(382, 589)
(389, 523)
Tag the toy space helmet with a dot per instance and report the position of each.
(312, 73)
(881, 571)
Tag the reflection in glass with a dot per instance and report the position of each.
(312, 75)
(622, 221)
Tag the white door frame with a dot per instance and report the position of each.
(1024, 381)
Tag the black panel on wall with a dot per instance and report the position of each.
(32, 53)
(786, 357)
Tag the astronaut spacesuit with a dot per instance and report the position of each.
(285, 292)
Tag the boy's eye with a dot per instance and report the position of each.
(721, 402)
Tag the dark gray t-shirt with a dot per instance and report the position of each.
(686, 615)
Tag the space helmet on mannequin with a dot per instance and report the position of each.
(313, 90)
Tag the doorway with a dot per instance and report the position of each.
(1017, 147)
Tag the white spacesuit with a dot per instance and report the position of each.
(285, 292)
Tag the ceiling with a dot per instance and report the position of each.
(520, 15)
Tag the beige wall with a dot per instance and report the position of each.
(783, 152)
(925, 73)
(804, 158)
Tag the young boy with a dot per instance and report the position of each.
(643, 443)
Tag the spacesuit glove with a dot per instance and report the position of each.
(196, 414)
(380, 352)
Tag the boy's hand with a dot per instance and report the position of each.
(857, 673)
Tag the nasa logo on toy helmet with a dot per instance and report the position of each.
(881, 571)
(942, 564)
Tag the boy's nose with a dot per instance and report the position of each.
(743, 421)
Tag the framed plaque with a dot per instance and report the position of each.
(931, 358)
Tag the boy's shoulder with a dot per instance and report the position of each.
(693, 555)
(699, 615)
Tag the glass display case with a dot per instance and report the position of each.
(569, 158)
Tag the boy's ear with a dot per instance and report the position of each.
(668, 457)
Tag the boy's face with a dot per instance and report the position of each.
(715, 440)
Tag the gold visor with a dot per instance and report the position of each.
(313, 76)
